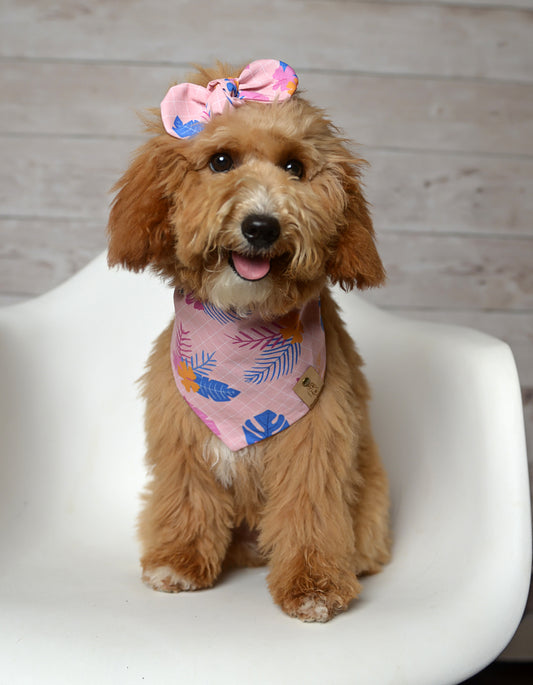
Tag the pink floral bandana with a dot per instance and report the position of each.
(246, 378)
(187, 107)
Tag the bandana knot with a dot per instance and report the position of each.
(187, 107)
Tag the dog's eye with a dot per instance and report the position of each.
(221, 162)
(294, 167)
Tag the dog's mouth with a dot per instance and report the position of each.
(249, 268)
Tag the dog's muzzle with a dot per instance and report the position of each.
(261, 232)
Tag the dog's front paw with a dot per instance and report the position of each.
(313, 608)
(166, 579)
(315, 592)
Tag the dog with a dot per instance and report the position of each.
(248, 202)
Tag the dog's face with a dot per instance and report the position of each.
(254, 212)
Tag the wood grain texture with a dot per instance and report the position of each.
(509, 4)
(38, 254)
(409, 190)
(441, 39)
(417, 113)
(438, 92)
(424, 270)
(429, 191)
(60, 177)
(474, 273)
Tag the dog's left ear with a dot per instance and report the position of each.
(355, 260)
(139, 229)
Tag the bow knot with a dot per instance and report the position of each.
(186, 108)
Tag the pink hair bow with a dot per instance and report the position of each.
(187, 107)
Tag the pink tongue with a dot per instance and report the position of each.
(250, 268)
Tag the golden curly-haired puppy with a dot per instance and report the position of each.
(247, 201)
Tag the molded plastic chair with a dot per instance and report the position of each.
(448, 417)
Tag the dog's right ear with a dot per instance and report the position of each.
(355, 260)
(139, 227)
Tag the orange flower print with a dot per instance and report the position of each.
(285, 78)
(291, 86)
(187, 377)
(291, 327)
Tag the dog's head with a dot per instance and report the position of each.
(257, 210)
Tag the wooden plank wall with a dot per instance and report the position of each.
(439, 94)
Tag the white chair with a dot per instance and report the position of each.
(73, 611)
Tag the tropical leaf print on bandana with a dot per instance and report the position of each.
(203, 363)
(217, 353)
(274, 362)
(183, 343)
(194, 370)
(261, 338)
(214, 390)
(191, 301)
(263, 426)
(280, 349)
(213, 312)
(220, 315)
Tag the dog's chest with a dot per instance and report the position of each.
(231, 468)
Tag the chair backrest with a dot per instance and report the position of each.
(447, 415)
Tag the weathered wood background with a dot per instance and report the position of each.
(439, 94)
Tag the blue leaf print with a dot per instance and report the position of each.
(273, 363)
(231, 88)
(188, 128)
(215, 390)
(203, 364)
(266, 424)
(219, 315)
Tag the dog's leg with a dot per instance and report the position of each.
(370, 511)
(307, 525)
(185, 526)
(370, 507)
(185, 529)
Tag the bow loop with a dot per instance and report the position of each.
(187, 107)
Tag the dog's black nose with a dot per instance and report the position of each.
(261, 230)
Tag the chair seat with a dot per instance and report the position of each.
(447, 415)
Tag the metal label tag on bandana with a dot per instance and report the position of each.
(309, 386)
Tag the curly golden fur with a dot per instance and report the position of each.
(311, 501)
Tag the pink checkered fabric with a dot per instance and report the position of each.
(238, 374)
(187, 107)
